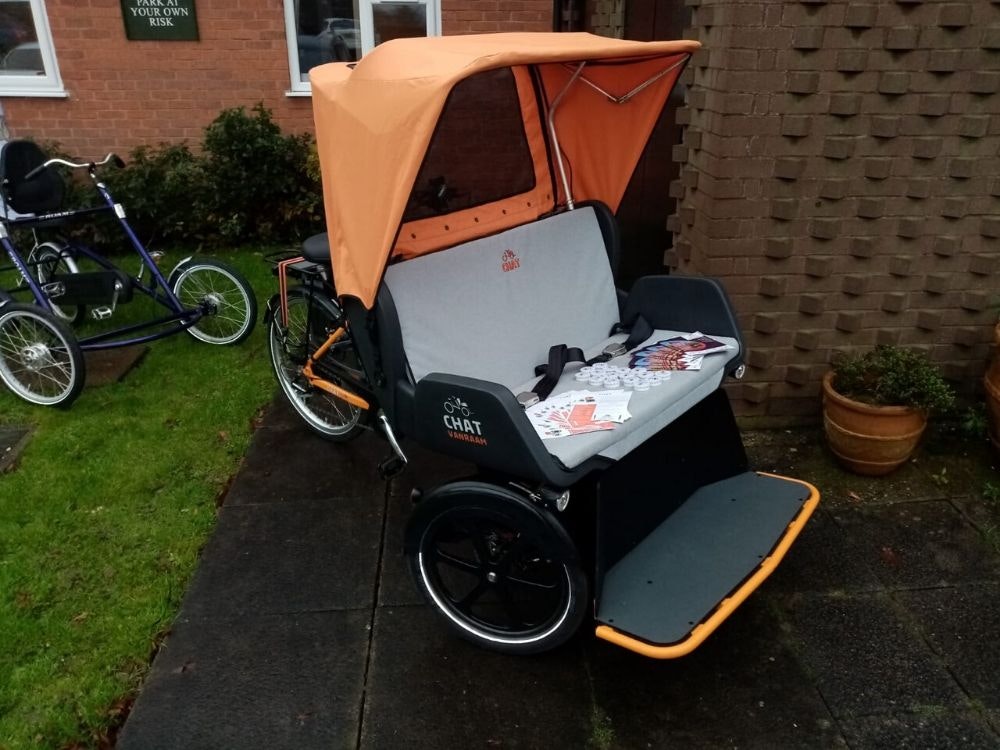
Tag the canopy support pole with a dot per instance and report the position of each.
(555, 139)
(648, 82)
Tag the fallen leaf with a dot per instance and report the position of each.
(889, 557)
(81, 617)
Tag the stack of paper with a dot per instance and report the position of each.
(679, 353)
(579, 412)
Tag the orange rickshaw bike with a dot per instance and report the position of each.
(465, 298)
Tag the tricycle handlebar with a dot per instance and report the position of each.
(110, 158)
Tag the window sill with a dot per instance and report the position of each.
(291, 93)
(34, 94)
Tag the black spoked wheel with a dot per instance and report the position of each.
(503, 575)
(311, 319)
(40, 359)
(52, 260)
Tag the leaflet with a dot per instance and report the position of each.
(578, 413)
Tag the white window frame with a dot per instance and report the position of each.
(366, 27)
(49, 84)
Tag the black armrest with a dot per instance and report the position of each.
(481, 422)
(685, 303)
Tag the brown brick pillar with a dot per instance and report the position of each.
(841, 175)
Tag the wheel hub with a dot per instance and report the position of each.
(212, 303)
(35, 356)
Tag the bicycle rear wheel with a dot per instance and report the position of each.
(327, 415)
(55, 259)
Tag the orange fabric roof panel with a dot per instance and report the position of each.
(374, 123)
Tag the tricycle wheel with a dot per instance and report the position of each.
(228, 299)
(40, 359)
(502, 572)
(53, 259)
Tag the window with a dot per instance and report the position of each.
(478, 153)
(322, 31)
(27, 59)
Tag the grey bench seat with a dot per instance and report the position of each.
(491, 308)
(651, 410)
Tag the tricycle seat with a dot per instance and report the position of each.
(651, 410)
(490, 309)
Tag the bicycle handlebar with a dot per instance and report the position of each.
(110, 158)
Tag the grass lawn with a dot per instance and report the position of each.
(101, 524)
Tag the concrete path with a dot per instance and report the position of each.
(302, 629)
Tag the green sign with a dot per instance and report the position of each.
(160, 20)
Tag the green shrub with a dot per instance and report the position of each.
(892, 376)
(165, 192)
(263, 188)
(247, 182)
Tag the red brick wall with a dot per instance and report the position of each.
(841, 174)
(483, 16)
(128, 93)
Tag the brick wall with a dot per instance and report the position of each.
(606, 17)
(127, 93)
(841, 174)
(483, 16)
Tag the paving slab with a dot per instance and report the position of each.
(13, 440)
(920, 544)
(396, 585)
(272, 683)
(864, 658)
(425, 470)
(963, 625)
(993, 719)
(106, 366)
(429, 689)
(286, 462)
(983, 514)
(919, 732)
(289, 557)
(741, 688)
(803, 454)
(826, 558)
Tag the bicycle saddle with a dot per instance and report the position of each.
(317, 249)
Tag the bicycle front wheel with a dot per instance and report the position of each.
(40, 359)
(327, 415)
(227, 298)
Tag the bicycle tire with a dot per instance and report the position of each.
(326, 415)
(40, 358)
(229, 296)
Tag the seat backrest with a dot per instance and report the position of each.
(42, 193)
(492, 307)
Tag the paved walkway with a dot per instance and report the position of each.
(302, 629)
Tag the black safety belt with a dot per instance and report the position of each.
(560, 355)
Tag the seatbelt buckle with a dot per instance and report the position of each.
(527, 399)
(615, 350)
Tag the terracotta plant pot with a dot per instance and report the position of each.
(991, 381)
(869, 440)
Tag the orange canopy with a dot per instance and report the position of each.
(375, 120)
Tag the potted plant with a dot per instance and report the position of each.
(991, 382)
(875, 407)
